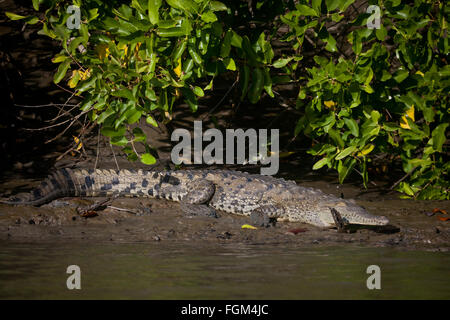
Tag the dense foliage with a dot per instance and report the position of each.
(367, 94)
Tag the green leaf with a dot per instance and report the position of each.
(139, 135)
(306, 11)
(190, 99)
(336, 136)
(31, 20)
(150, 94)
(217, 6)
(36, 4)
(401, 75)
(153, 10)
(134, 117)
(85, 85)
(152, 121)
(439, 136)
(405, 187)
(332, 4)
(344, 168)
(148, 159)
(226, 44)
(119, 141)
(124, 93)
(229, 64)
(352, 125)
(316, 4)
(381, 33)
(110, 132)
(385, 75)
(61, 72)
(344, 153)
(236, 40)
(198, 92)
(14, 16)
(331, 44)
(319, 164)
(209, 17)
(268, 83)
(248, 49)
(280, 63)
(185, 5)
(104, 115)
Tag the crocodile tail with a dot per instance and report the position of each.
(58, 184)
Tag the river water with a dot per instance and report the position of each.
(184, 270)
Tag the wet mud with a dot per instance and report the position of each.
(413, 225)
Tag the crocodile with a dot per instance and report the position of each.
(204, 191)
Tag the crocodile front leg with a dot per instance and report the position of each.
(194, 203)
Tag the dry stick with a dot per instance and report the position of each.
(388, 113)
(81, 139)
(67, 101)
(114, 154)
(61, 109)
(68, 150)
(62, 113)
(361, 175)
(48, 127)
(67, 90)
(45, 105)
(403, 178)
(74, 60)
(124, 209)
(62, 155)
(98, 147)
(96, 206)
(221, 100)
(61, 133)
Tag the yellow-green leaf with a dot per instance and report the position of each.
(14, 16)
(148, 159)
(344, 153)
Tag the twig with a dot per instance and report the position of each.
(61, 114)
(124, 209)
(403, 178)
(114, 154)
(48, 127)
(67, 90)
(221, 100)
(45, 105)
(98, 147)
(61, 133)
(96, 206)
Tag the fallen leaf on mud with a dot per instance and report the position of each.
(247, 226)
(444, 218)
(437, 210)
(89, 214)
(298, 230)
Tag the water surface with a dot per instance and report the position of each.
(185, 270)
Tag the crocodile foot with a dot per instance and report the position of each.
(200, 210)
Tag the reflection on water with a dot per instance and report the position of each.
(206, 271)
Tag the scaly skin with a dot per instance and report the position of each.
(230, 191)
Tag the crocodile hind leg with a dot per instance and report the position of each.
(195, 201)
(265, 215)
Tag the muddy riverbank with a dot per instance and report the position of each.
(413, 226)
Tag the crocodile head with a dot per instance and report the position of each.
(350, 212)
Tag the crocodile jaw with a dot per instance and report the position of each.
(351, 213)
